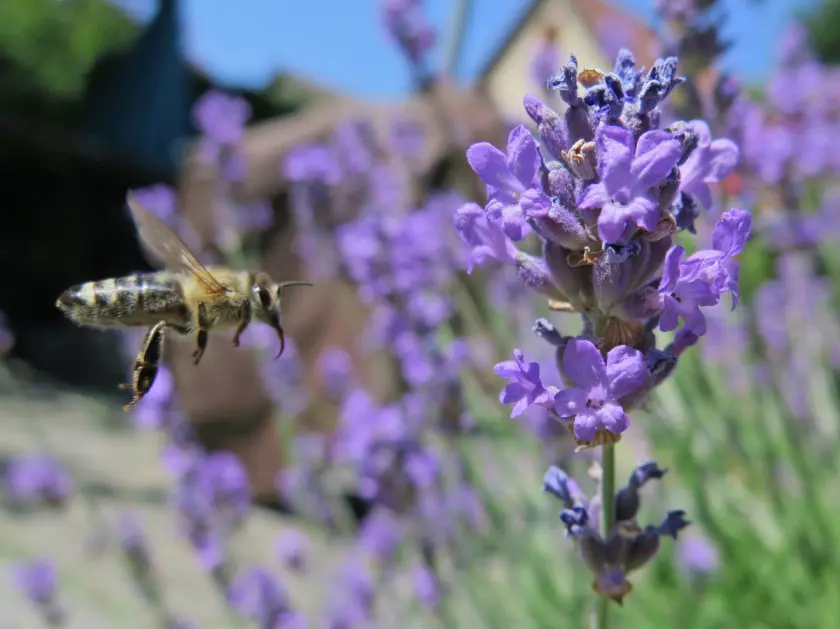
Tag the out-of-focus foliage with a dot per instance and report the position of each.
(47, 47)
(823, 25)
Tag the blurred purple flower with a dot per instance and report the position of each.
(292, 549)
(133, 541)
(221, 117)
(257, 595)
(335, 368)
(380, 535)
(408, 27)
(37, 479)
(697, 555)
(485, 238)
(160, 199)
(37, 581)
(545, 60)
(426, 587)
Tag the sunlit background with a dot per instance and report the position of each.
(388, 469)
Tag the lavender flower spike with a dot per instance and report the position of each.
(594, 400)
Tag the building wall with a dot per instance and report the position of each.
(510, 79)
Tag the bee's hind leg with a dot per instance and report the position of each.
(201, 336)
(146, 365)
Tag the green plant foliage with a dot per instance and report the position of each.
(48, 46)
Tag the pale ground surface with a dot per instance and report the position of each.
(120, 469)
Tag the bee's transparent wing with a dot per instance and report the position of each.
(165, 245)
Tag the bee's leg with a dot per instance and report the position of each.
(146, 364)
(201, 336)
(246, 319)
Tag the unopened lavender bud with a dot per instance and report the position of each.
(622, 271)
(534, 273)
(565, 83)
(642, 549)
(558, 224)
(627, 500)
(561, 184)
(582, 160)
(683, 339)
(575, 283)
(576, 519)
(660, 364)
(673, 523)
(544, 329)
(557, 483)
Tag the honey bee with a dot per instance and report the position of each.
(185, 297)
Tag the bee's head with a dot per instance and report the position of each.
(266, 299)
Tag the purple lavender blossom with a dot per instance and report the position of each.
(485, 238)
(37, 479)
(525, 387)
(699, 280)
(510, 179)
(709, 162)
(628, 170)
(594, 400)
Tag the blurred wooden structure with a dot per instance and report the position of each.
(227, 388)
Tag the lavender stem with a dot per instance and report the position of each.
(607, 521)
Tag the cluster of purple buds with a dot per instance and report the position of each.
(605, 190)
(37, 581)
(37, 480)
(627, 546)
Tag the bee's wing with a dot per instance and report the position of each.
(165, 245)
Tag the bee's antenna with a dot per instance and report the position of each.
(285, 284)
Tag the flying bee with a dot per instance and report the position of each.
(186, 298)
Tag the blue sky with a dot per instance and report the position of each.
(340, 42)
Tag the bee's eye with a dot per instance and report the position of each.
(265, 297)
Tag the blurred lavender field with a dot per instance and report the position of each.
(570, 358)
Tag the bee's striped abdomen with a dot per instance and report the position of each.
(137, 299)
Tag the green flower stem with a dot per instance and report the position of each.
(607, 521)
